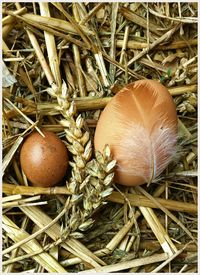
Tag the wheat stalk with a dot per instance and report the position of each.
(91, 179)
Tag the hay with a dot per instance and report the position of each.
(69, 59)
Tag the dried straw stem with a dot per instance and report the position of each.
(161, 39)
(41, 58)
(89, 103)
(55, 23)
(112, 69)
(10, 19)
(154, 245)
(139, 20)
(55, 231)
(130, 264)
(77, 60)
(6, 30)
(14, 253)
(21, 202)
(76, 26)
(32, 191)
(22, 73)
(11, 198)
(139, 200)
(158, 230)
(101, 46)
(157, 269)
(51, 47)
(79, 75)
(131, 44)
(30, 237)
(110, 246)
(91, 14)
(18, 235)
(8, 157)
(167, 212)
(24, 116)
(135, 199)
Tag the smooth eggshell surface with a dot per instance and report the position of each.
(44, 160)
(140, 126)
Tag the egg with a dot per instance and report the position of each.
(140, 126)
(44, 160)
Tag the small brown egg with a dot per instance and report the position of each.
(44, 160)
(140, 126)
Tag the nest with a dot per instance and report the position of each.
(63, 62)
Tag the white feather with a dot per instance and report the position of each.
(142, 151)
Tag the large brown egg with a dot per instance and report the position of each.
(44, 160)
(140, 126)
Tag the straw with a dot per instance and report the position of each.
(69, 60)
(44, 259)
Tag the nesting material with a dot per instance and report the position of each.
(65, 62)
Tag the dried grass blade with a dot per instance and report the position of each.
(11, 198)
(41, 219)
(80, 78)
(121, 67)
(161, 39)
(140, 200)
(131, 44)
(22, 114)
(158, 230)
(189, 20)
(17, 235)
(41, 58)
(51, 47)
(129, 264)
(75, 243)
(132, 16)
(157, 269)
(120, 235)
(55, 23)
(81, 255)
(31, 190)
(22, 73)
(9, 18)
(30, 237)
(66, 37)
(101, 64)
(91, 13)
(112, 68)
(180, 90)
(109, 247)
(77, 27)
(8, 157)
(77, 60)
(21, 202)
(167, 212)
(124, 44)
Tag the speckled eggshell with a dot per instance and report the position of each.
(44, 160)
